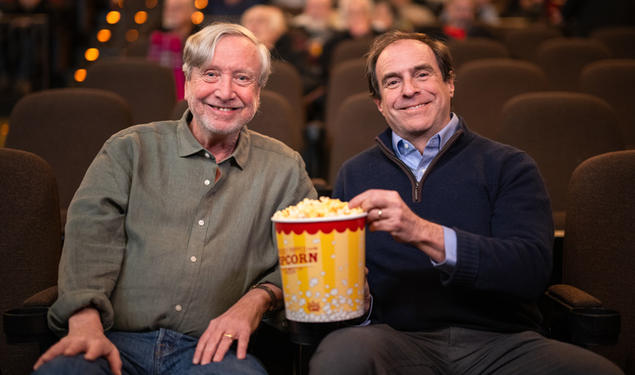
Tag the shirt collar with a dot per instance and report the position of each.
(402, 147)
(188, 145)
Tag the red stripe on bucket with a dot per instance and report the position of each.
(322, 226)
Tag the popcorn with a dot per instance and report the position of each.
(314, 208)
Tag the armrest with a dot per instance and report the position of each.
(572, 315)
(45, 297)
(28, 323)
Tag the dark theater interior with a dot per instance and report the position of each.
(84, 82)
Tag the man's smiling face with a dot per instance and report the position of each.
(415, 100)
(224, 94)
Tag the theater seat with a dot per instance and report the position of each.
(598, 257)
(147, 87)
(613, 80)
(559, 130)
(67, 127)
(30, 247)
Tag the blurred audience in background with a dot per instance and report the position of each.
(43, 43)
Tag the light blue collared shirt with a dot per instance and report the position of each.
(418, 163)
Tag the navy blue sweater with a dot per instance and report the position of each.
(493, 196)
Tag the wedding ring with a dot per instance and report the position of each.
(379, 214)
(228, 335)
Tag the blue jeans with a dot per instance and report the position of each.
(157, 352)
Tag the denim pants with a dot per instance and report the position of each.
(153, 353)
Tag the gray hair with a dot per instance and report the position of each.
(200, 48)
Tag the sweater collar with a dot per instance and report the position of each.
(385, 138)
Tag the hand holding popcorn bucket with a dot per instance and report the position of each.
(321, 248)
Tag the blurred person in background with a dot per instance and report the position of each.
(486, 12)
(459, 20)
(166, 43)
(318, 20)
(531, 10)
(228, 10)
(412, 16)
(384, 14)
(269, 24)
(317, 23)
(354, 22)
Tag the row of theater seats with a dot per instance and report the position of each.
(503, 99)
(597, 260)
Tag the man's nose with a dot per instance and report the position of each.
(409, 87)
(225, 90)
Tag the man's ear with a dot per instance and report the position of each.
(378, 104)
(186, 92)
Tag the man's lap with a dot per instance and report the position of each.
(162, 352)
(379, 349)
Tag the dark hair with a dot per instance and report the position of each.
(440, 50)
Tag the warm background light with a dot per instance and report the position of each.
(132, 35)
(80, 75)
(91, 54)
(104, 35)
(151, 3)
(140, 17)
(200, 4)
(197, 18)
(113, 17)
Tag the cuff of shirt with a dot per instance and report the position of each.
(447, 266)
(69, 303)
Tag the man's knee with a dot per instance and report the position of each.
(345, 351)
(75, 365)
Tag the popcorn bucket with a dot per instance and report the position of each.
(322, 262)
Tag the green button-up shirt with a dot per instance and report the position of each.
(159, 235)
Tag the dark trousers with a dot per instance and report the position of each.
(380, 349)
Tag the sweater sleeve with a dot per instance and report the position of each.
(516, 259)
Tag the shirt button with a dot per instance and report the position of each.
(207, 182)
(201, 222)
(178, 307)
(207, 155)
(193, 258)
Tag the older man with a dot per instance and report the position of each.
(459, 247)
(169, 255)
